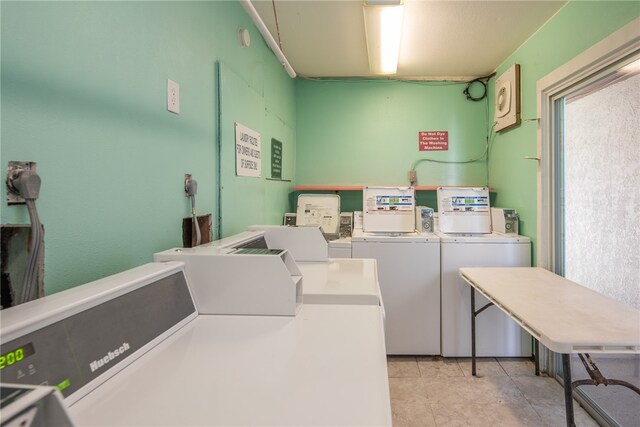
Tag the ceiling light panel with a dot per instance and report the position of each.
(383, 29)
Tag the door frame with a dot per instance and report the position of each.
(579, 70)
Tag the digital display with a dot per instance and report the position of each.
(14, 356)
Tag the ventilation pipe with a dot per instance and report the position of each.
(246, 4)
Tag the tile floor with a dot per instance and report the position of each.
(434, 391)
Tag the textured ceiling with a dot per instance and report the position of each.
(441, 39)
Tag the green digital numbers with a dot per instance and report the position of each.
(11, 358)
(15, 356)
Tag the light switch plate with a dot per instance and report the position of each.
(173, 96)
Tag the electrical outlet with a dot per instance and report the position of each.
(413, 177)
(173, 96)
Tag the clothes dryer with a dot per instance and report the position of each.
(132, 350)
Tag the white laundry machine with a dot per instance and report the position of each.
(223, 285)
(340, 248)
(132, 350)
(499, 336)
(409, 277)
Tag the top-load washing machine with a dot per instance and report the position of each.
(496, 334)
(466, 240)
(408, 269)
(409, 277)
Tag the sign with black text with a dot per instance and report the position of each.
(248, 161)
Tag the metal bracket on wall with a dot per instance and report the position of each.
(12, 172)
(187, 178)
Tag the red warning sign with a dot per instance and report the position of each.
(437, 140)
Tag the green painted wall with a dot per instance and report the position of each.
(366, 132)
(84, 95)
(575, 28)
(267, 198)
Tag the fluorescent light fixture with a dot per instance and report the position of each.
(383, 29)
(632, 68)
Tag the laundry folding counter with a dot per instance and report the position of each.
(562, 315)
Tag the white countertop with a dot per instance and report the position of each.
(324, 367)
(564, 316)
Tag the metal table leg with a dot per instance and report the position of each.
(474, 313)
(536, 356)
(597, 378)
(473, 331)
(568, 388)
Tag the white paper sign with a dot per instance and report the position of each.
(248, 162)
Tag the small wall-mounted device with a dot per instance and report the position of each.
(346, 224)
(190, 190)
(504, 220)
(413, 177)
(357, 220)
(290, 219)
(244, 37)
(17, 171)
(424, 219)
(507, 111)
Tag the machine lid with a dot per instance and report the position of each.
(360, 236)
(319, 210)
(343, 242)
(482, 238)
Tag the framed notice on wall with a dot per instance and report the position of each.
(276, 159)
(248, 161)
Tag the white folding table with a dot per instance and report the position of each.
(564, 316)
